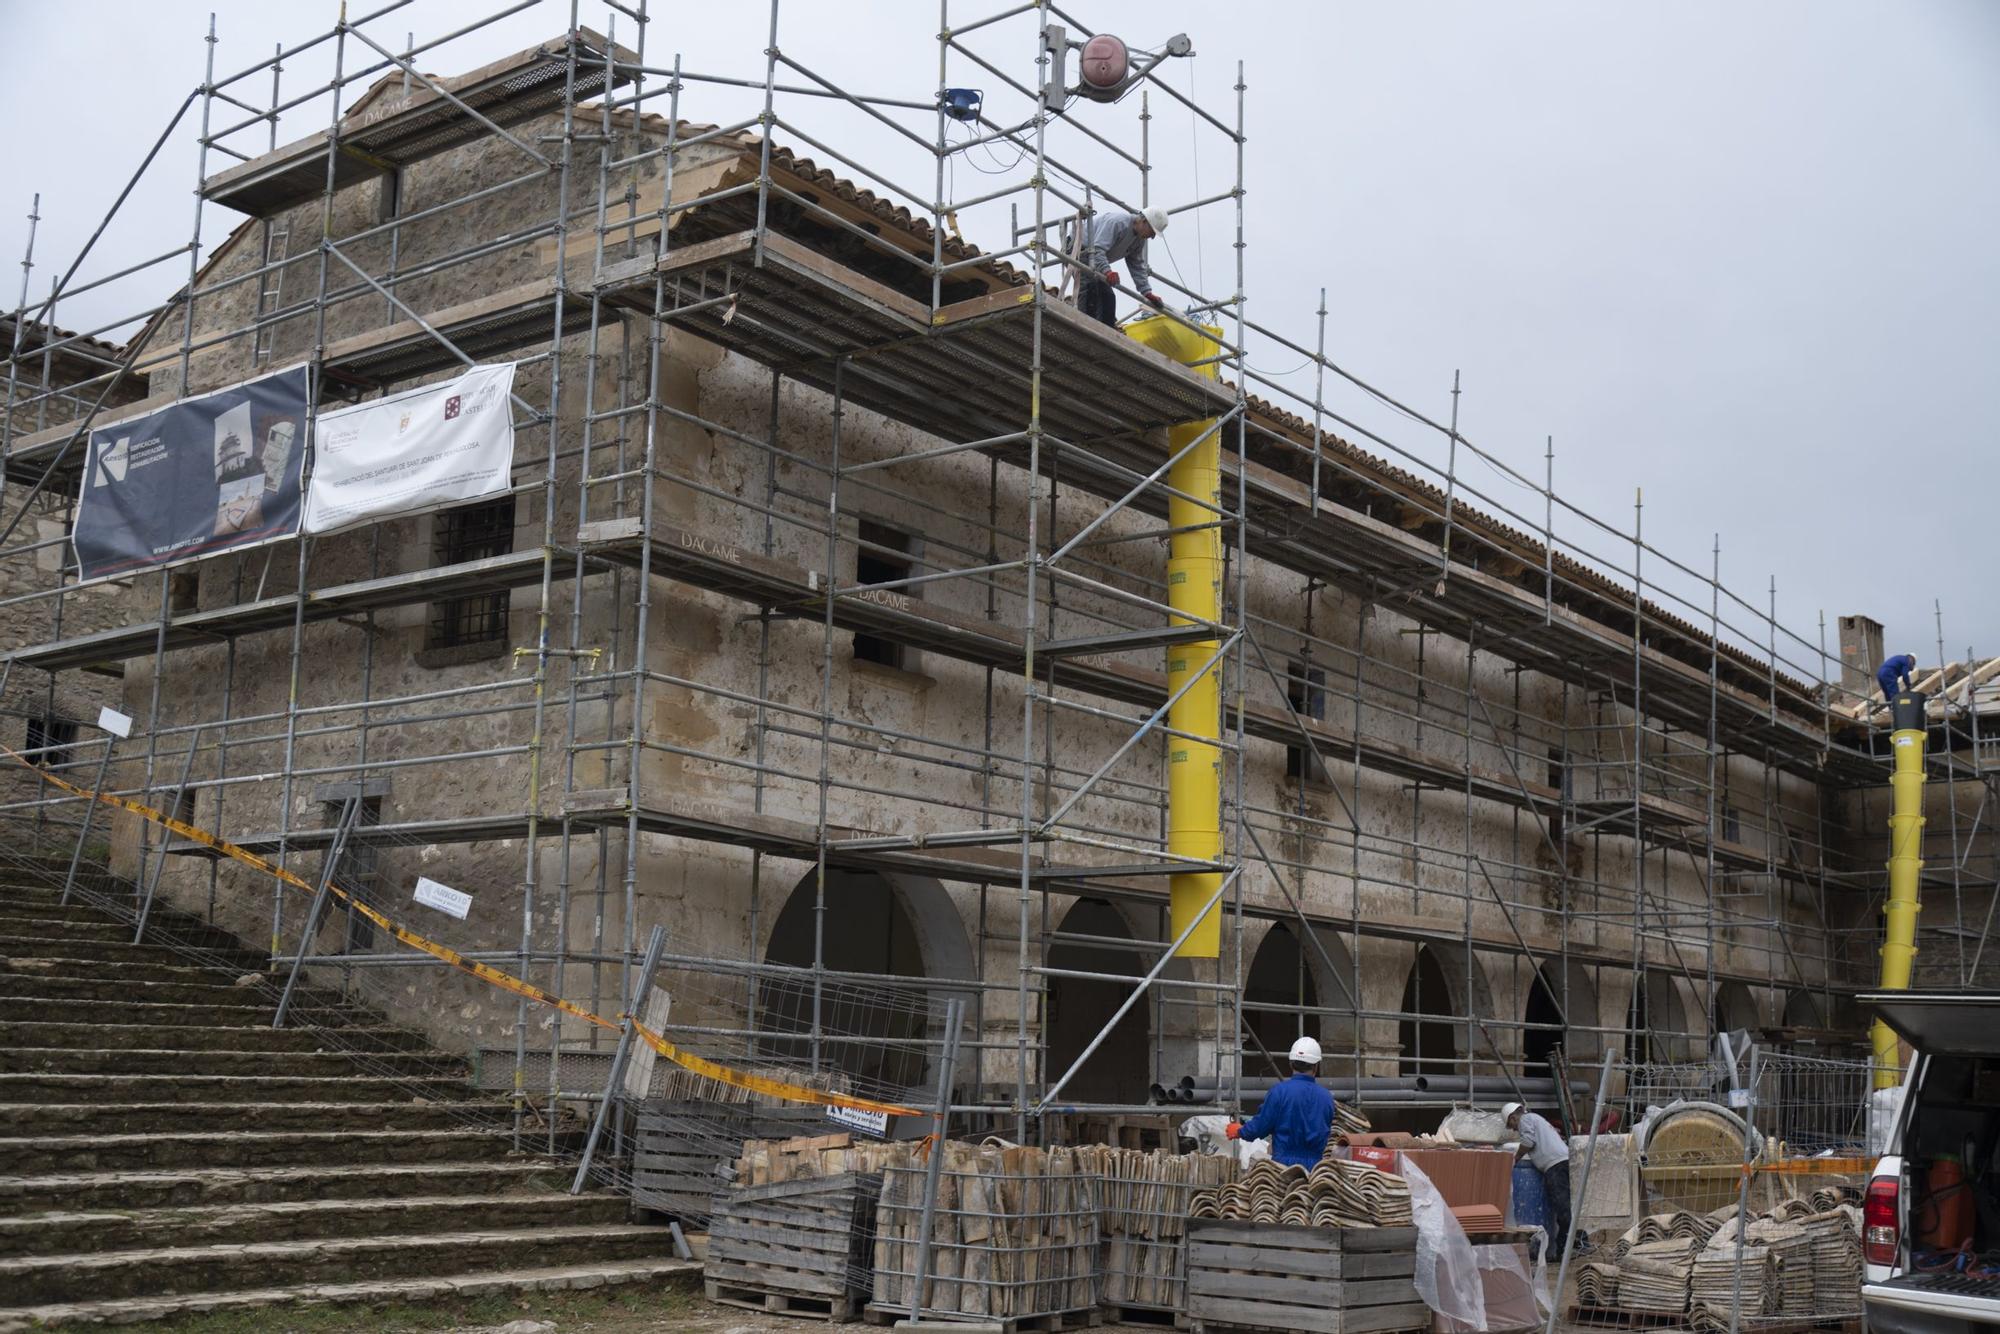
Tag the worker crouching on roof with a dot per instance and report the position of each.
(1894, 675)
(1297, 1114)
(1114, 236)
(1543, 1146)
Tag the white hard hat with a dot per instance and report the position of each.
(1507, 1112)
(1305, 1051)
(1156, 218)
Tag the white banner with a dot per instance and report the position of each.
(413, 451)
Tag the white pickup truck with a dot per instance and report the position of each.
(1950, 1111)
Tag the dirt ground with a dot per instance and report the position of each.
(679, 1308)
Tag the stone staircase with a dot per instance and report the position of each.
(165, 1152)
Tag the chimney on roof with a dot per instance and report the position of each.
(1860, 653)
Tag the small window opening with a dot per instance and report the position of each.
(476, 532)
(1305, 688)
(883, 558)
(54, 738)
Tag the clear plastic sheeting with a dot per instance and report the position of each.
(1884, 1105)
(1448, 1277)
(1513, 1277)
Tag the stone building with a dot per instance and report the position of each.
(1483, 799)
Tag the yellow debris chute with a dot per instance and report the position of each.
(1194, 587)
(1906, 863)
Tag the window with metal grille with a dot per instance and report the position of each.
(53, 737)
(1305, 687)
(882, 558)
(475, 532)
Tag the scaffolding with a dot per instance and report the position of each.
(1527, 770)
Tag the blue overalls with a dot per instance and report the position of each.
(1297, 1116)
(1894, 675)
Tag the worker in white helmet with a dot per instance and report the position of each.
(1116, 235)
(1297, 1115)
(1544, 1146)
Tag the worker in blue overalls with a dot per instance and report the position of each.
(1894, 674)
(1297, 1115)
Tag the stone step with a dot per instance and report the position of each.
(108, 978)
(231, 1007)
(196, 1188)
(90, 924)
(76, 1231)
(252, 1148)
(454, 1286)
(32, 1119)
(216, 989)
(67, 1035)
(63, 1086)
(47, 1279)
(88, 952)
(14, 915)
(169, 1061)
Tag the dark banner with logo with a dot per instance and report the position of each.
(205, 475)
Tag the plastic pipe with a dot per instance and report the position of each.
(1906, 864)
(1194, 586)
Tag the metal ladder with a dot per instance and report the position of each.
(270, 288)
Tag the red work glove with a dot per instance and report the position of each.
(1111, 276)
(1234, 1130)
(1153, 299)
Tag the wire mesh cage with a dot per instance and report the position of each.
(1012, 1233)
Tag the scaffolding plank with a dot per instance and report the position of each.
(508, 91)
(517, 569)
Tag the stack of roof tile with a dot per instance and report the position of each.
(1597, 1284)
(1713, 1286)
(1336, 1193)
(1654, 1276)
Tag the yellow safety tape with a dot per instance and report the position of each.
(774, 1088)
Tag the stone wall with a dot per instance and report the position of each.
(931, 745)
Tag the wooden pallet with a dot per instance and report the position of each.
(1259, 1276)
(1131, 1313)
(798, 1305)
(805, 1244)
(1052, 1322)
(683, 1146)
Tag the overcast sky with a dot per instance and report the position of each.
(1741, 255)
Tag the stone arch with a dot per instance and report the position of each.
(1809, 1009)
(1657, 1020)
(1435, 1005)
(883, 923)
(1120, 1069)
(1559, 1010)
(1736, 1008)
(1281, 956)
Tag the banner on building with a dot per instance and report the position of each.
(208, 474)
(413, 451)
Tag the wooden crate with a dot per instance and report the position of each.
(681, 1149)
(1323, 1280)
(795, 1247)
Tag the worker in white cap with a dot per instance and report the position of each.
(1115, 235)
(1297, 1115)
(1543, 1146)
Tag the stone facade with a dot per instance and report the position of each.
(58, 379)
(922, 743)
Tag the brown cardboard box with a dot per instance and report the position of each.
(1468, 1176)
